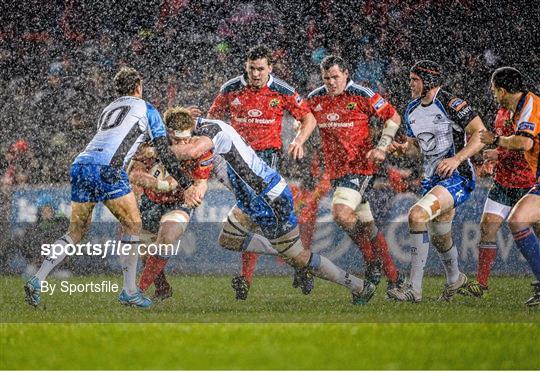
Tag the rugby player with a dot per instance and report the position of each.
(446, 130)
(165, 208)
(263, 203)
(255, 104)
(97, 175)
(509, 90)
(343, 110)
(512, 179)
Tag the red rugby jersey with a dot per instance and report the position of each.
(257, 114)
(511, 169)
(343, 122)
(198, 169)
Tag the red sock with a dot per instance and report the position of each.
(249, 262)
(381, 247)
(364, 244)
(487, 252)
(307, 217)
(153, 266)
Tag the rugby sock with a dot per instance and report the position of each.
(361, 239)
(307, 217)
(128, 263)
(256, 243)
(249, 262)
(323, 268)
(152, 269)
(450, 262)
(419, 254)
(381, 247)
(161, 282)
(527, 243)
(50, 263)
(487, 252)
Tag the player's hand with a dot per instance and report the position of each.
(447, 166)
(194, 111)
(192, 197)
(397, 148)
(296, 150)
(376, 155)
(490, 155)
(486, 137)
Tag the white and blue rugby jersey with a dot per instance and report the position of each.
(439, 129)
(119, 125)
(240, 157)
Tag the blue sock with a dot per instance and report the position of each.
(529, 247)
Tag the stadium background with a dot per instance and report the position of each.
(56, 59)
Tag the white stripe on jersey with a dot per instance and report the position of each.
(364, 89)
(526, 112)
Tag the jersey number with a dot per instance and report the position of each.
(113, 118)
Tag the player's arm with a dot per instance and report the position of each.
(520, 141)
(194, 195)
(307, 125)
(386, 112)
(194, 149)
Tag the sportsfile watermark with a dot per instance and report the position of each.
(109, 248)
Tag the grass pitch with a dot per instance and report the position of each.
(203, 327)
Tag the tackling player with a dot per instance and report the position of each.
(97, 175)
(255, 104)
(343, 110)
(511, 181)
(264, 203)
(165, 208)
(509, 91)
(446, 130)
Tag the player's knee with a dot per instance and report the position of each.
(344, 216)
(289, 246)
(417, 214)
(233, 234)
(488, 231)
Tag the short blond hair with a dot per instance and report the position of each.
(178, 118)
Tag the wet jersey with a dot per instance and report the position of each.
(439, 128)
(257, 114)
(343, 123)
(198, 169)
(243, 164)
(527, 122)
(119, 125)
(511, 169)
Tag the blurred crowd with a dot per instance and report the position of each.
(57, 58)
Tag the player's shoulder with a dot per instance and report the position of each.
(280, 86)
(318, 92)
(358, 90)
(232, 85)
(450, 100)
(412, 105)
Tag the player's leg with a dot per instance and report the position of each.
(81, 217)
(236, 235)
(379, 244)
(278, 222)
(172, 226)
(436, 202)
(126, 211)
(524, 215)
(344, 204)
(306, 204)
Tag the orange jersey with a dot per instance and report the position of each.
(527, 122)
